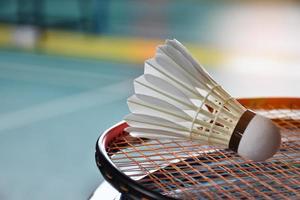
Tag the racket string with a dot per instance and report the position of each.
(197, 161)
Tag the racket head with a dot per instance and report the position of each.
(165, 169)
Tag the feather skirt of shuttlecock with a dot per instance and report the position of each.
(176, 98)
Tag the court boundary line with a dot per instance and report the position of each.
(65, 105)
(67, 77)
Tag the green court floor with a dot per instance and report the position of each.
(52, 110)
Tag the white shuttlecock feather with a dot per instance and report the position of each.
(177, 98)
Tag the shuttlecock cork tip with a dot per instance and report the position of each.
(260, 140)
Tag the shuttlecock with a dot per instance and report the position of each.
(177, 98)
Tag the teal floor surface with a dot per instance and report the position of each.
(51, 112)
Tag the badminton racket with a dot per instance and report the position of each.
(143, 168)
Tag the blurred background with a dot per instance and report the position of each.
(66, 69)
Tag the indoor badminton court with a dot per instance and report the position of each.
(67, 69)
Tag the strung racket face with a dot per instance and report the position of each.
(183, 169)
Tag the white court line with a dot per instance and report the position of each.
(56, 76)
(65, 105)
(105, 191)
